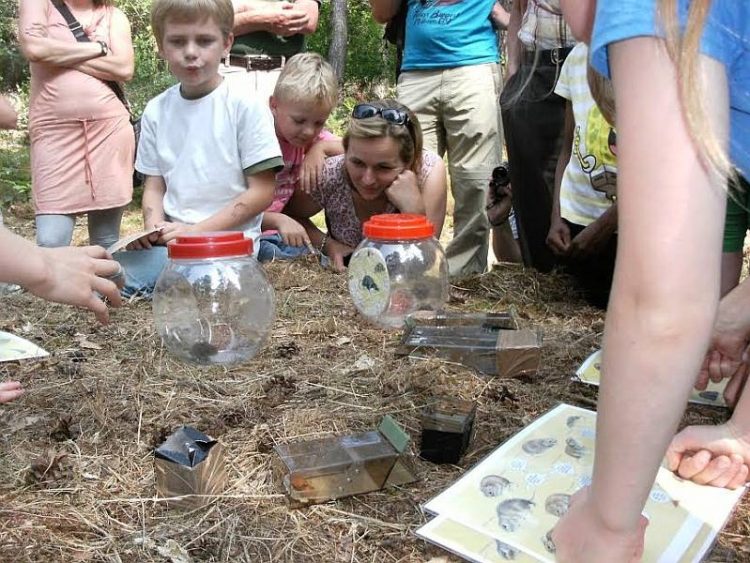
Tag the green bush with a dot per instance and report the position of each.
(369, 58)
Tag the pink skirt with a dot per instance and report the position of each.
(82, 165)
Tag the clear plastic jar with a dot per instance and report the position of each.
(212, 302)
(399, 268)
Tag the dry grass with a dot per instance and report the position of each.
(109, 394)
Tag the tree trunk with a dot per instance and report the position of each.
(339, 33)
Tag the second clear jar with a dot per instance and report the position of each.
(399, 268)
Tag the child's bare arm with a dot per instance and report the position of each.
(292, 233)
(257, 197)
(314, 161)
(152, 206)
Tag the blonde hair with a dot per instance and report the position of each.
(220, 11)
(408, 136)
(683, 48)
(603, 94)
(307, 77)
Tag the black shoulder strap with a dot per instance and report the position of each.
(77, 30)
(75, 26)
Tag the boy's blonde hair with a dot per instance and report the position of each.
(407, 136)
(305, 78)
(684, 48)
(220, 11)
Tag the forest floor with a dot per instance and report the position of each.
(77, 468)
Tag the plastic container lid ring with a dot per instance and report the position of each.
(210, 245)
(398, 226)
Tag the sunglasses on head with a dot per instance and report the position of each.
(391, 115)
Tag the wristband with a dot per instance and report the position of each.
(104, 47)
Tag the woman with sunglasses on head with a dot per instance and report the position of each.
(384, 169)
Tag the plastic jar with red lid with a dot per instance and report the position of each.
(399, 268)
(212, 302)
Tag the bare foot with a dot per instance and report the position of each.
(710, 455)
(10, 390)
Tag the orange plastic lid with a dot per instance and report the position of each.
(398, 226)
(210, 245)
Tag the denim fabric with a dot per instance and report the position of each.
(142, 269)
(272, 247)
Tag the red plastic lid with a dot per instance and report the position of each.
(398, 226)
(210, 245)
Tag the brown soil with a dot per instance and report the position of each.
(76, 471)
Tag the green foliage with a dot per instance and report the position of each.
(369, 58)
(15, 176)
(14, 68)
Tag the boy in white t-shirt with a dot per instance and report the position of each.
(583, 224)
(209, 152)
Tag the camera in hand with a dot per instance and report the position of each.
(500, 179)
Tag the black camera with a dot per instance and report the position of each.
(500, 179)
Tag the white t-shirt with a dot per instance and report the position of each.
(201, 148)
(592, 169)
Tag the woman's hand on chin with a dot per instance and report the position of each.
(404, 193)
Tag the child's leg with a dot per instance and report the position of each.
(104, 226)
(54, 230)
(142, 269)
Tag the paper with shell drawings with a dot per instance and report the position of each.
(505, 506)
(713, 394)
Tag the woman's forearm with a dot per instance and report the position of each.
(111, 67)
(59, 53)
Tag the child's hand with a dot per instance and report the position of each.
(312, 168)
(171, 230)
(558, 238)
(146, 241)
(292, 233)
(404, 193)
(336, 252)
(10, 390)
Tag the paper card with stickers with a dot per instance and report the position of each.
(713, 394)
(504, 508)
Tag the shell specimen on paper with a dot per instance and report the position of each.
(538, 446)
(506, 551)
(574, 448)
(512, 512)
(493, 485)
(557, 504)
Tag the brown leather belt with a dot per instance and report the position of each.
(257, 62)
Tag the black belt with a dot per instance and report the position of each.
(548, 57)
(257, 62)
